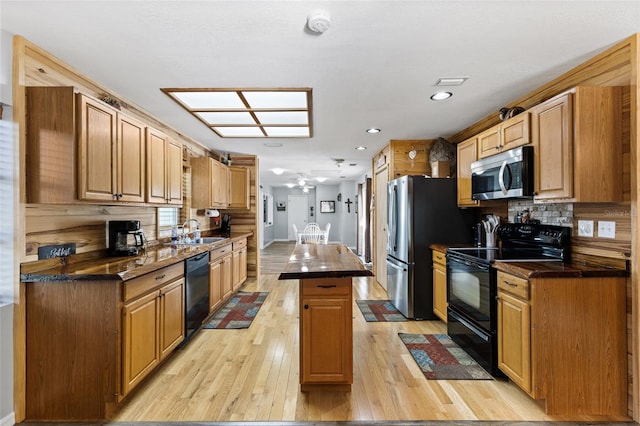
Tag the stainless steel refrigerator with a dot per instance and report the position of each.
(421, 211)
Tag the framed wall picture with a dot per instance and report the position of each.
(327, 206)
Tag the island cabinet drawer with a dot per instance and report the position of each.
(237, 245)
(219, 252)
(439, 257)
(326, 286)
(141, 285)
(515, 285)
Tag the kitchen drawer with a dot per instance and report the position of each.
(439, 257)
(326, 286)
(141, 285)
(515, 285)
(219, 252)
(237, 245)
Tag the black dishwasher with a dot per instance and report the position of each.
(197, 293)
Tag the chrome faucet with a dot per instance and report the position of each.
(184, 225)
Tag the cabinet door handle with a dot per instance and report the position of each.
(306, 306)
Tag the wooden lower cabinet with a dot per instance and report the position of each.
(220, 276)
(72, 360)
(239, 275)
(153, 324)
(326, 334)
(514, 342)
(141, 339)
(563, 340)
(440, 285)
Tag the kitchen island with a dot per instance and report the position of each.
(325, 272)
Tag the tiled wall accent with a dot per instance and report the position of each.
(560, 214)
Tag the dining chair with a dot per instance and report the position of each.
(326, 233)
(296, 234)
(312, 234)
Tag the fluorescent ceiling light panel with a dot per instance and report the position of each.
(250, 113)
(301, 132)
(210, 100)
(285, 99)
(238, 132)
(213, 118)
(283, 117)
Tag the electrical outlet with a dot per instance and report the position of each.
(585, 228)
(606, 229)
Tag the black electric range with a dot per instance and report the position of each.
(472, 283)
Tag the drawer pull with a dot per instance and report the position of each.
(510, 283)
(159, 277)
(327, 286)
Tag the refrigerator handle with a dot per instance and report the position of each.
(395, 216)
(391, 221)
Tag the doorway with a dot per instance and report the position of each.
(298, 214)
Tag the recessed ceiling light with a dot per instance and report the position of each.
(373, 130)
(439, 96)
(361, 148)
(277, 171)
(291, 185)
(321, 179)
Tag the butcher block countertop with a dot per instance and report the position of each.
(101, 267)
(323, 261)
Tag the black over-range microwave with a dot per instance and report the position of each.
(505, 175)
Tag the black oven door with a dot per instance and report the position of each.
(471, 290)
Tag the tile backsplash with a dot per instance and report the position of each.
(560, 214)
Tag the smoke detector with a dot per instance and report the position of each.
(319, 21)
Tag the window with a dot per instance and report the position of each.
(167, 219)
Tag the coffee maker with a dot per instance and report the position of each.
(225, 225)
(125, 237)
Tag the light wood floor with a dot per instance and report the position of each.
(252, 374)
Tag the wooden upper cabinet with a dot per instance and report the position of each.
(164, 169)
(507, 135)
(220, 185)
(239, 188)
(553, 148)
(130, 156)
(79, 148)
(51, 172)
(174, 173)
(213, 184)
(467, 154)
(97, 137)
(577, 137)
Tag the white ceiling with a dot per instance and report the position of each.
(376, 65)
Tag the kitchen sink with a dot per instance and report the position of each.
(205, 240)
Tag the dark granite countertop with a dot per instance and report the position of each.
(323, 261)
(105, 268)
(545, 269)
(556, 270)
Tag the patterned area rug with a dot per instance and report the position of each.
(379, 310)
(239, 311)
(440, 358)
